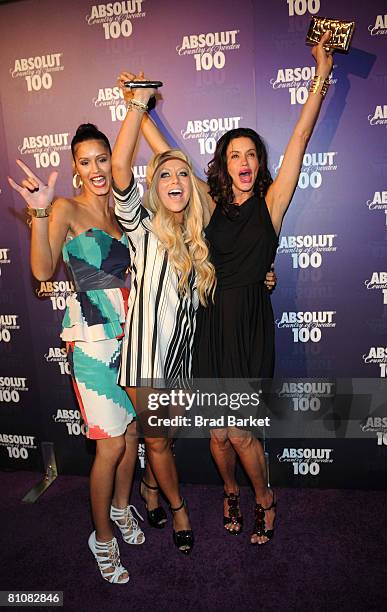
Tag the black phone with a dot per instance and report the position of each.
(143, 84)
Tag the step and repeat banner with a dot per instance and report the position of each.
(222, 68)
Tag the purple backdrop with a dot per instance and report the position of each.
(222, 68)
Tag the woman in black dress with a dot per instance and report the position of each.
(235, 334)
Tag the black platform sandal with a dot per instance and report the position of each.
(259, 528)
(234, 511)
(156, 517)
(183, 540)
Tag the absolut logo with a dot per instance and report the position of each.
(211, 41)
(51, 62)
(17, 445)
(107, 96)
(208, 131)
(72, 420)
(45, 148)
(116, 18)
(11, 387)
(307, 325)
(8, 324)
(306, 250)
(56, 354)
(379, 116)
(323, 161)
(378, 281)
(103, 13)
(44, 142)
(209, 50)
(379, 28)
(37, 71)
(306, 461)
(377, 355)
(57, 291)
(313, 167)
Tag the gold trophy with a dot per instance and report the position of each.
(341, 33)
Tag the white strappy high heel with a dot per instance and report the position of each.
(107, 556)
(128, 524)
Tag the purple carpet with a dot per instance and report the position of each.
(329, 552)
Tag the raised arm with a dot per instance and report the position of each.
(126, 141)
(281, 190)
(48, 232)
(151, 132)
(153, 136)
(157, 141)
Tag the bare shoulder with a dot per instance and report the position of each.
(64, 207)
(64, 213)
(61, 203)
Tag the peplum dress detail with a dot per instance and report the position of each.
(93, 329)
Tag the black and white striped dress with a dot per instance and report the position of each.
(160, 325)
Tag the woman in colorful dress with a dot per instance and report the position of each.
(95, 250)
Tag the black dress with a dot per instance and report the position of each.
(235, 334)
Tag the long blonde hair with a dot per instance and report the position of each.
(185, 244)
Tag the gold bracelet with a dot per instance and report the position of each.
(325, 87)
(39, 213)
(137, 105)
(315, 84)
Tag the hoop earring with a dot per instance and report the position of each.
(77, 181)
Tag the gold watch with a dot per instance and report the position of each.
(39, 213)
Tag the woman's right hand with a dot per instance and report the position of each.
(33, 190)
(271, 279)
(324, 58)
(141, 94)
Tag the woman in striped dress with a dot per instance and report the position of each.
(171, 274)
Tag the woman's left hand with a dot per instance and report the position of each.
(271, 279)
(143, 95)
(123, 78)
(324, 59)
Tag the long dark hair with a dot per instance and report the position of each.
(88, 131)
(219, 180)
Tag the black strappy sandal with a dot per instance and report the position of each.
(184, 539)
(259, 528)
(156, 517)
(234, 511)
